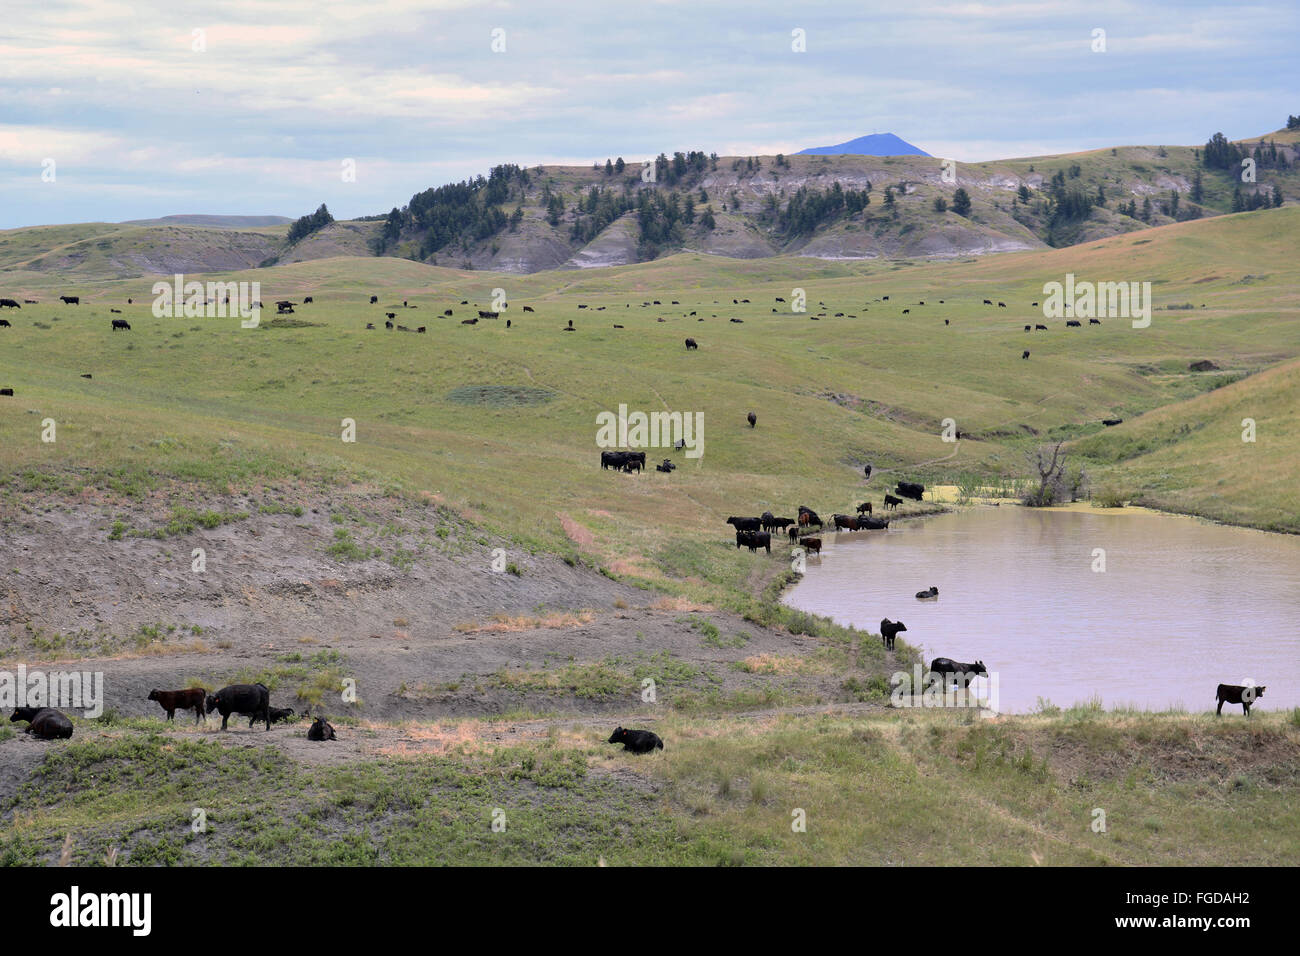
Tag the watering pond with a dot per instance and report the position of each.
(1182, 605)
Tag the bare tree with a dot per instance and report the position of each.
(1049, 462)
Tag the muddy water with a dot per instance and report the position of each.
(1181, 607)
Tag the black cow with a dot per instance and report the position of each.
(745, 524)
(45, 723)
(9, 304)
(304, 301)
(121, 324)
(389, 325)
(933, 592)
(890, 630)
(633, 463)
(988, 301)
(116, 311)
(321, 729)
(892, 503)
(864, 508)
(174, 700)
(422, 328)
(449, 312)
(1110, 422)
(637, 741)
(781, 524)
(4, 324)
(691, 344)
(1040, 328)
(866, 472)
(1002, 305)
(277, 713)
(613, 459)
(1073, 324)
(910, 489)
(70, 299)
(756, 539)
(956, 672)
(1029, 328)
(244, 699)
(1244, 694)
(527, 308)
(374, 299)
(7, 391)
(391, 315)
(666, 467)
(752, 419)
(483, 314)
(462, 322)
(1094, 321)
(1025, 354)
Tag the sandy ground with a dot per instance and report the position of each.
(421, 639)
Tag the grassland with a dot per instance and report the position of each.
(497, 427)
(1081, 788)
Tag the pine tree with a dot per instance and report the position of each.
(961, 202)
(1277, 195)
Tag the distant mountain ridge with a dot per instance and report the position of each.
(211, 222)
(876, 144)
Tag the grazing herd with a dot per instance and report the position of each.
(245, 700)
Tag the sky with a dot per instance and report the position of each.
(114, 110)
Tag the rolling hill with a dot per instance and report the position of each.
(550, 217)
(875, 144)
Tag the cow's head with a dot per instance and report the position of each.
(212, 701)
(617, 736)
(153, 695)
(24, 713)
(979, 668)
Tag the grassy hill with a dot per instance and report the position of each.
(745, 195)
(202, 399)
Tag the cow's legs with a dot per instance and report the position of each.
(1218, 711)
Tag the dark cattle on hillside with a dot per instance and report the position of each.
(321, 729)
(44, 723)
(121, 324)
(70, 299)
(9, 304)
(374, 299)
(752, 419)
(691, 344)
(890, 630)
(174, 700)
(637, 741)
(952, 671)
(910, 489)
(1244, 694)
(248, 700)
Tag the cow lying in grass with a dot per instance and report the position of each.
(637, 741)
(44, 723)
(321, 729)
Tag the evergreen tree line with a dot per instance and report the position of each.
(308, 224)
